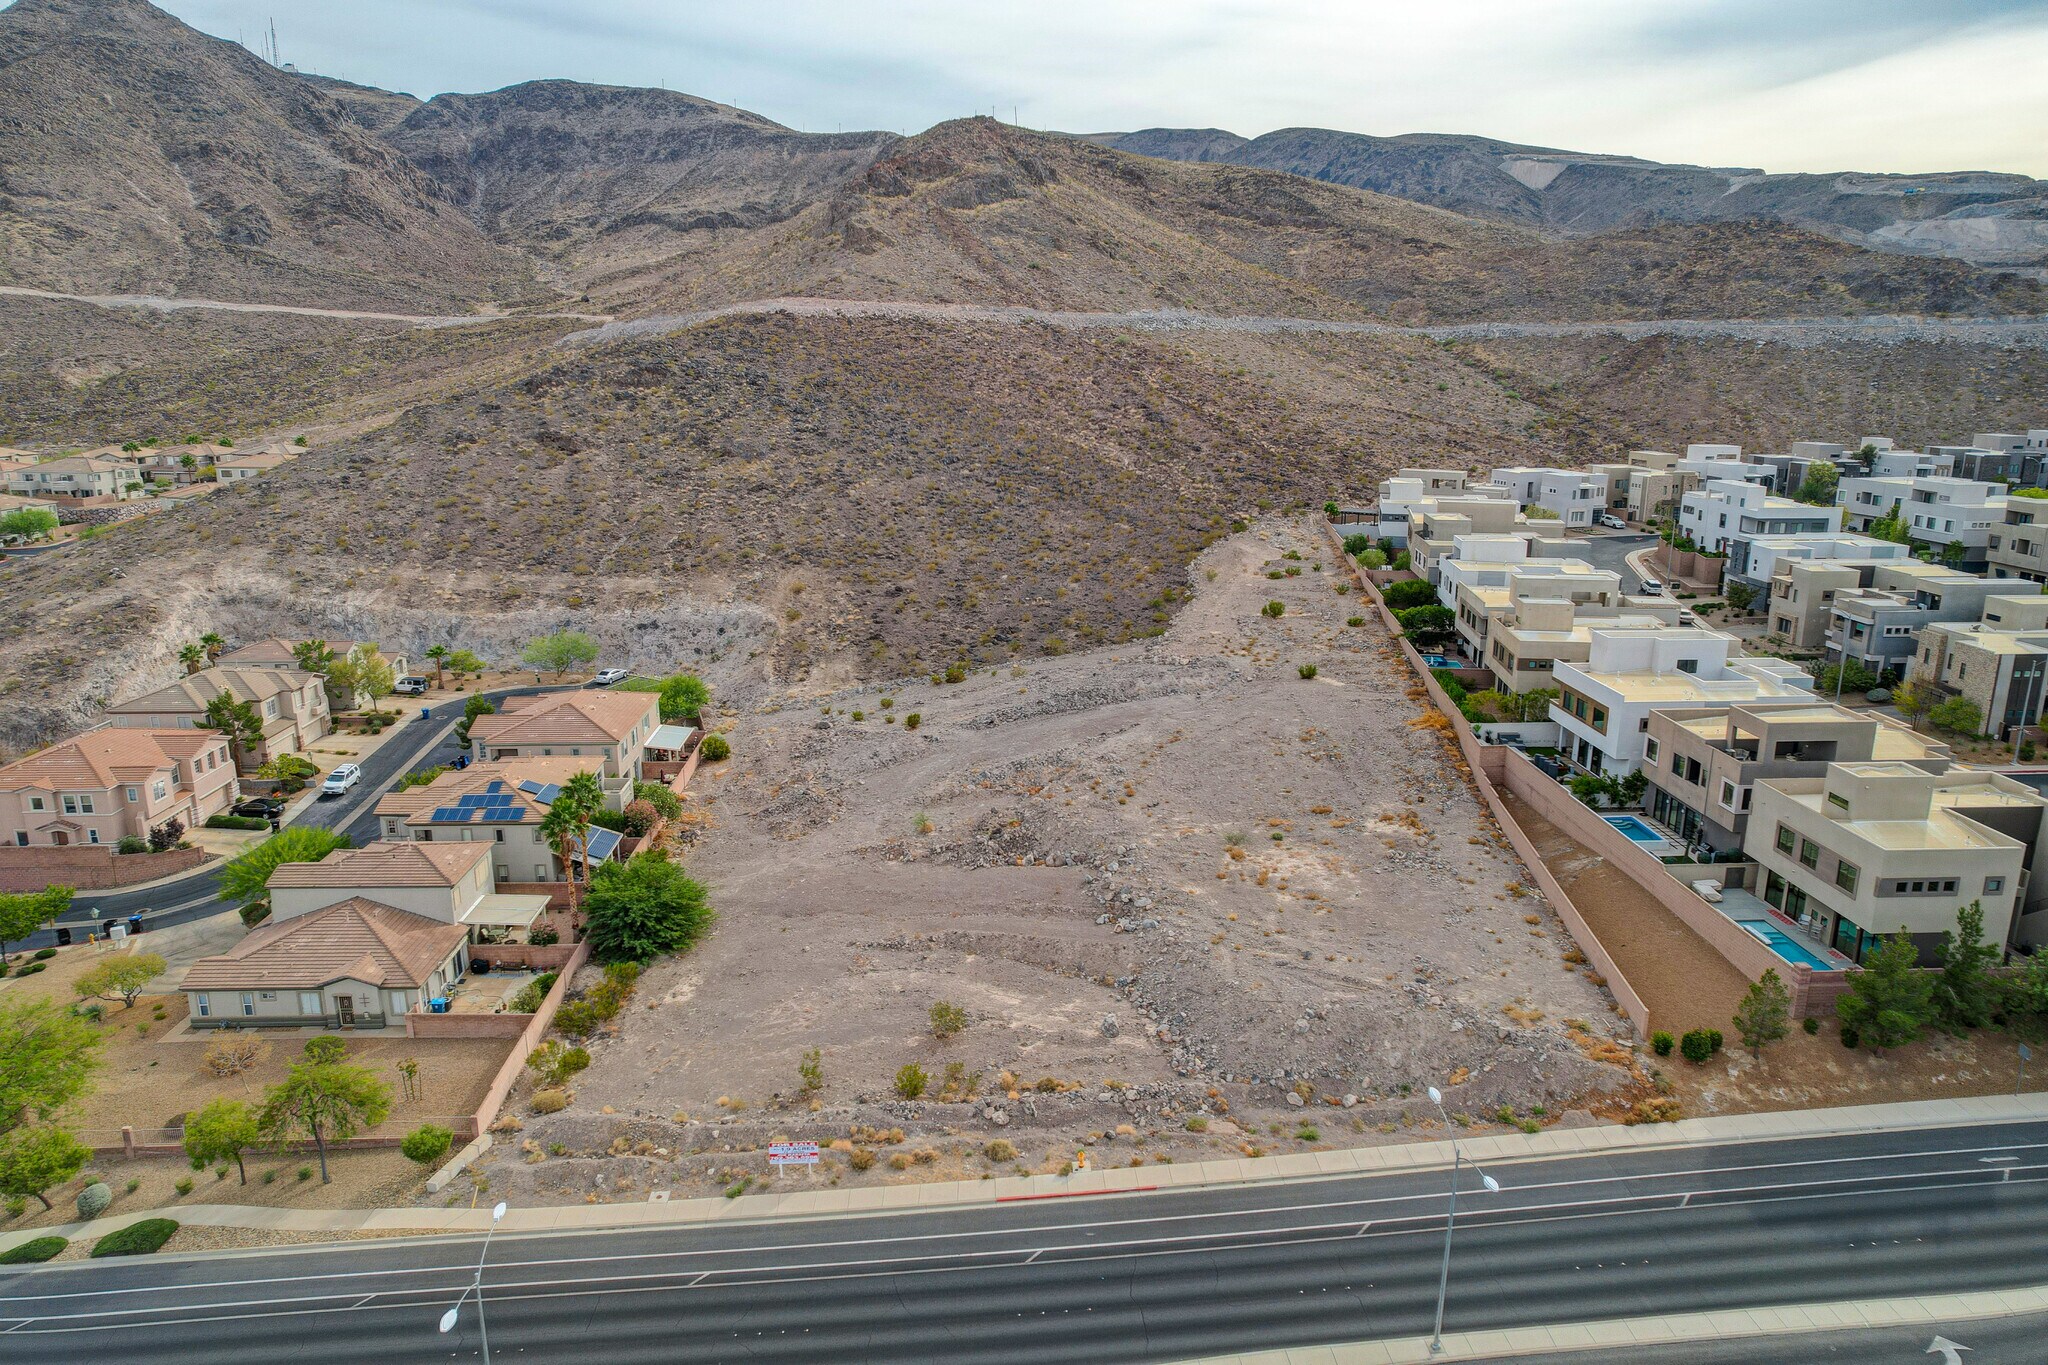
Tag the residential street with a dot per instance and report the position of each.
(1165, 1276)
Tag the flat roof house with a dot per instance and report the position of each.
(1938, 510)
(291, 705)
(1876, 624)
(1604, 704)
(1572, 497)
(609, 728)
(1480, 600)
(1724, 516)
(1762, 556)
(109, 784)
(1871, 848)
(1534, 635)
(1999, 662)
(2018, 546)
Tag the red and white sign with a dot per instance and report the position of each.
(793, 1154)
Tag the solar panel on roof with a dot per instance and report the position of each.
(546, 795)
(602, 843)
(452, 814)
(530, 787)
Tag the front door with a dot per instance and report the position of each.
(347, 1005)
(59, 838)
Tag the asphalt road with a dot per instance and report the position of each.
(1610, 549)
(422, 743)
(1166, 1276)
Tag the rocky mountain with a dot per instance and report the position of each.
(138, 155)
(1972, 215)
(597, 176)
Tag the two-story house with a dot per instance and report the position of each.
(1877, 624)
(609, 729)
(110, 784)
(291, 706)
(1526, 643)
(1953, 515)
(2018, 546)
(1727, 514)
(500, 804)
(75, 476)
(1999, 661)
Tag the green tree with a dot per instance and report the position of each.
(462, 661)
(1957, 714)
(47, 1056)
(1427, 624)
(1888, 1003)
(1912, 698)
(642, 908)
(1411, 592)
(1891, 526)
(244, 880)
(560, 652)
(471, 709)
(427, 1143)
(438, 656)
(214, 644)
(322, 1101)
(1854, 678)
(313, 656)
(123, 976)
(1818, 487)
(193, 656)
(1953, 554)
(1764, 1014)
(1740, 596)
(1966, 994)
(683, 698)
(22, 913)
(221, 1131)
(364, 675)
(237, 720)
(35, 1159)
(30, 523)
(1590, 788)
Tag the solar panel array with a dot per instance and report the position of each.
(543, 792)
(496, 802)
(602, 843)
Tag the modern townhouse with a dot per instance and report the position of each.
(1604, 704)
(1955, 516)
(1872, 848)
(610, 729)
(1408, 491)
(111, 784)
(1761, 557)
(1876, 624)
(1526, 643)
(1703, 763)
(1489, 560)
(1999, 662)
(500, 804)
(1726, 514)
(273, 652)
(2018, 546)
(1478, 604)
(1654, 485)
(1433, 527)
(1574, 498)
(291, 706)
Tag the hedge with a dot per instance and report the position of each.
(30, 1252)
(137, 1239)
(226, 821)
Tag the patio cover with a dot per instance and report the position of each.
(502, 911)
(673, 738)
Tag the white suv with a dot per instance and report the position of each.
(341, 779)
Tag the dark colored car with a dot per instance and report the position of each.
(261, 807)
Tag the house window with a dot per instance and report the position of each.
(1688, 665)
(500, 835)
(540, 872)
(1809, 853)
(396, 1001)
(1649, 751)
(21, 838)
(1784, 838)
(1729, 796)
(1993, 885)
(1839, 802)
(309, 1003)
(135, 793)
(504, 873)
(1845, 876)
(92, 836)
(37, 803)
(202, 1004)
(158, 790)
(1599, 720)
(248, 1004)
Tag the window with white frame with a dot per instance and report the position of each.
(248, 1003)
(309, 1003)
(202, 1004)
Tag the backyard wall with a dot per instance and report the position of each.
(90, 867)
(499, 955)
(522, 1048)
(425, 1024)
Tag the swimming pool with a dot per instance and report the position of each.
(1439, 661)
(1635, 829)
(1784, 945)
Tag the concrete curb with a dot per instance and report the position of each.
(1619, 1334)
(911, 1198)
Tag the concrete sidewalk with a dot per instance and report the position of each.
(1504, 1147)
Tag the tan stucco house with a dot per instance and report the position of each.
(108, 784)
(610, 729)
(291, 704)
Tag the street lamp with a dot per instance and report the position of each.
(1443, 1282)
(448, 1319)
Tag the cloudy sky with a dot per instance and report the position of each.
(1787, 85)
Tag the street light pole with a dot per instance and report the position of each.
(449, 1318)
(1443, 1281)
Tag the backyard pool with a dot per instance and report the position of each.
(1635, 829)
(1439, 661)
(1784, 945)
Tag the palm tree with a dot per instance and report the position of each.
(214, 644)
(440, 654)
(193, 656)
(568, 833)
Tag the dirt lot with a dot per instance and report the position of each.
(152, 1074)
(1165, 881)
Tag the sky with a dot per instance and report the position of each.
(1782, 85)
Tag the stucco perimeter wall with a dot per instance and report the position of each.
(90, 867)
(529, 1038)
(1484, 762)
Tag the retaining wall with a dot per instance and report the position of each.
(90, 867)
(529, 1038)
(425, 1024)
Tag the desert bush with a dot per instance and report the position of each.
(811, 1071)
(554, 1064)
(1274, 609)
(1851, 1036)
(31, 968)
(427, 1143)
(542, 937)
(579, 1018)
(34, 1251)
(1198, 1124)
(860, 1158)
(183, 1186)
(233, 1051)
(137, 1239)
(714, 748)
(549, 1101)
(529, 997)
(665, 802)
(1002, 1149)
(94, 1200)
(1699, 1044)
(641, 818)
(44, 954)
(1306, 671)
(947, 1019)
(1354, 621)
(1661, 1042)
(911, 1081)
(132, 843)
(912, 721)
(1811, 1025)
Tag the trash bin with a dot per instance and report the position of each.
(438, 1005)
(135, 924)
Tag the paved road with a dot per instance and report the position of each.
(1167, 1276)
(1610, 549)
(421, 743)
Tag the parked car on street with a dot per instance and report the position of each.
(609, 676)
(259, 807)
(1651, 588)
(341, 779)
(1612, 522)
(411, 687)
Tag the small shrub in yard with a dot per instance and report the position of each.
(184, 1185)
(715, 748)
(549, 1101)
(30, 968)
(1812, 1026)
(860, 1158)
(16, 1206)
(94, 1200)
(1306, 671)
(1699, 1044)
(529, 997)
(304, 1173)
(137, 1239)
(947, 1019)
(1274, 609)
(45, 954)
(1355, 621)
(33, 1252)
(427, 1143)
(911, 1081)
(1661, 1042)
(1851, 1036)
(1002, 1149)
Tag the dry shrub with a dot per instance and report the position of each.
(1002, 1149)
(900, 1162)
(1432, 719)
(1522, 1015)
(550, 1101)
(861, 1159)
(1658, 1109)
(234, 1051)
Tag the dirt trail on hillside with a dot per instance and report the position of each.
(163, 304)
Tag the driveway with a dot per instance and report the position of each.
(1610, 550)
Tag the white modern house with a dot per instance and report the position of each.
(1767, 552)
(1488, 561)
(1574, 497)
(1938, 510)
(1413, 489)
(1604, 704)
(1730, 512)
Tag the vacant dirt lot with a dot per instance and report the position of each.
(1165, 881)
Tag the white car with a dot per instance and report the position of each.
(414, 686)
(341, 779)
(609, 676)
(1651, 588)
(1613, 523)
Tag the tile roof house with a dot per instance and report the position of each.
(449, 883)
(352, 964)
(109, 784)
(275, 652)
(291, 704)
(610, 728)
(75, 476)
(499, 805)
(236, 468)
